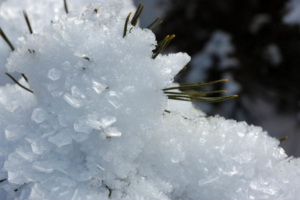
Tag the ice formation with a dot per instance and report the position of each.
(98, 125)
(40, 13)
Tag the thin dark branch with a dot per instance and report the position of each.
(12, 78)
(2, 180)
(6, 40)
(24, 77)
(27, 21)
(66, 6)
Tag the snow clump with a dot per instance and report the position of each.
(40, 14)
(98, 125)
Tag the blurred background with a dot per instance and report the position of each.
(253, 43)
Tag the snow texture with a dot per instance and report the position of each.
(98, 124)
(40, 13)
(293, 12)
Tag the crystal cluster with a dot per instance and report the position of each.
(99, 126)
(40, 14)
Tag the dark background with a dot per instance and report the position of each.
(248, 42)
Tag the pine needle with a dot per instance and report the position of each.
(183, 70)
(157, 25)
(162, 45)
(283, 139)
(187, 92)
(194, 86)
(110, 191)
(66, 6)
(203, 99)
(137, 14)
(12, 78)
(153, 22)
(27, 21)
(126, 24)
(6, 40)
(87, 58)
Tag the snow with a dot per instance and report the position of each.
(102, 128)
(40, 13)
(292, 15)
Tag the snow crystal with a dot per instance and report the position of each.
(54, 74)
(39, 115)
(112, 132)
(40, 13)
(72, 100)
(104, 129)
(14, 132)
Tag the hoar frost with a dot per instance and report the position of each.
(99, 126)
(40, 14)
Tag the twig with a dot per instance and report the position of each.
(25, 88)
(24, 77)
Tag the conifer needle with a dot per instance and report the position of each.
(137, 14)
(157, 25)
(66, 6)
(6, 40)
(12, 78)
(283, 139)
(27, 21)
(187, 92)
(153, 22)
(126, 24)
(162, 45)
(194, 86)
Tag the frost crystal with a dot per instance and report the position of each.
(40, 14)
(104, 129)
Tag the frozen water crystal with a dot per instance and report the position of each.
(40, 13)
(99, 88)
(107, 121)
(61, 138)
(14, 132)
(54, 74)
(39, 115)
(112, 132)
(105, 126)
(72, 100)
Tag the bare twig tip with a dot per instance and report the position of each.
(14, 80)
